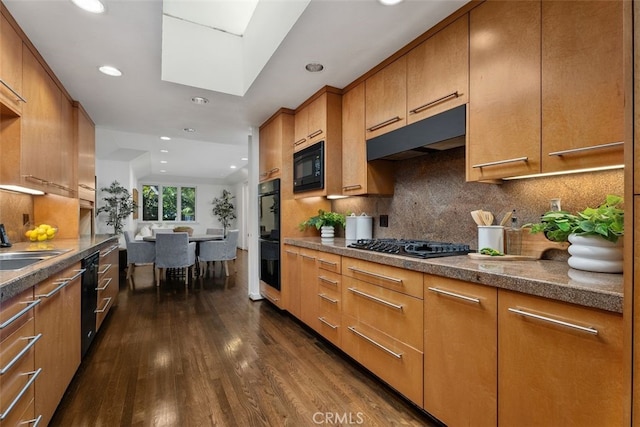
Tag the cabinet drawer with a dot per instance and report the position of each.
(398, 279)
(15, 312)
(22, 414)
(329, 301)
(397, 364)
(272, 294)
(17, 386)
(394, 313)
(329, 262)
(329, 281)
(329, 326)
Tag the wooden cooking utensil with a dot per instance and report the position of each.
(477, 217)
(505, 218)
(488, 217)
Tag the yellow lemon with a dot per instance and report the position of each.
(27, 233)
(33, 237)
(51, 232)
(42, 237)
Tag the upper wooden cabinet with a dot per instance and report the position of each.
(311, 123)
(86, 142)
(386, 99)
(360, 177)
(582, 84)
(438, 72)
(504, 90)
(10, 67)
(272, 136)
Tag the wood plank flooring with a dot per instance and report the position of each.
(213, 357)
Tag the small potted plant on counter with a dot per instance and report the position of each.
(594, 233)
(326, 223)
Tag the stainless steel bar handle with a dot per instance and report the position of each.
(376, 299)
(377, 344)
(35, 421)
(111, 249)
(592, 147)
(383, 124)
(29, 383)
(323, 320)
(326, 298)
(352, 187)
(19, 314)
(434, 102)
(274, 170)
(554, 321)
(325, 279)
(20, 98)
(324, 261)
(379, 276)
(300, 141)
(102, 310)
(106, 268)
(314, 134)
(86, 187)
(55, 290)
(21, 353)
(308, 256)
(75, 276)
(451, 294)
(501, 162)
(35, 178)
(105, 286)
(291, 252)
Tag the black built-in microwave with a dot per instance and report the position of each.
(308, 168)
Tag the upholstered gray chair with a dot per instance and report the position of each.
(173, 250)
(220, 250)
(138, 253)
(215, 231)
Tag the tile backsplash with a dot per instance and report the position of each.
(432, 201)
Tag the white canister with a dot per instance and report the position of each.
(491, 236)
(364, 228)
(350, 228)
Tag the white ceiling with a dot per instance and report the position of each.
(348, 36)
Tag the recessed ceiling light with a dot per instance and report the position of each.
(165, 138)
(93, 6)
(244, 158)
(314, 67)
(164, 151)
(162, 170)
(389, 2)
(199, 100)
(232, 166)
(163, 161)
(189, 130)
(110, 71)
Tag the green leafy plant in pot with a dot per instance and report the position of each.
(224, 210)
(325, 221)
(118, 205)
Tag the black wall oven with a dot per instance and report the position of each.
(308, 168)
(269, 224)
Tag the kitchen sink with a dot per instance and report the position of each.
(21, 259)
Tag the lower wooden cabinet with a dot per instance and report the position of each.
(108, 283)
(461, 350)
(329, 297)
(272, 294)
(559, 364)
(290, 286)
(309, 287)
(58, 352)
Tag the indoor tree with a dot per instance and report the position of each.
(224, 210)
(118, 205)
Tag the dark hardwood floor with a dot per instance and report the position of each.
(213, 357)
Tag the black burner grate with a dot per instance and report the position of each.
(413, 248)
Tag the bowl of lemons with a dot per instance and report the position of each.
(41, 232)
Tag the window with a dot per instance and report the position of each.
(167, 202)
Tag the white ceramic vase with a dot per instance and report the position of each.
(593, 253)
(327, 233)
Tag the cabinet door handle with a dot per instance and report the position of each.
(323, 320)
(308, 257)
(12, 90)
(554, 321)
(376, 299)
(383, 124)
(451, 294)
(86, 187)
(102, 310)
(592, 147)
(325, 279)
(106, 267)
(352, 187)
(326, 298)
(19, 314)
(105, 286)
(75, 276)
(29, 383)
(35, 178)
(379, 276)
(54, 291)
(300, 141)
(324, 261)
(434, 102)
(20, 355)
(291, 252)
(501, 162)
(35, 421)
(314, 134)
(372, 341)
(273, 170)
(109, 250)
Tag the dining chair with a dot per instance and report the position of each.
(138, 253)
(220, 250)
(215, 231)
(173, 250)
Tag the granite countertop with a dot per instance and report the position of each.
(12, 282)
(544, 278)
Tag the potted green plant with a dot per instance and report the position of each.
(224, 210)
(118, 205)
(594, 233)
(325, 221)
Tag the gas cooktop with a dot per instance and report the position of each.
(413, 248)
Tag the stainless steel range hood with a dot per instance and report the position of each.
(440, 132)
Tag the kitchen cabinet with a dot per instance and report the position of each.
(272, 294)
(108, 283)
(582, 84)
(57, 319)
(10, 67)
(310, 123)
(558, 363)
(86, 143)
(386, 99)
(438, 72)
(18, 343)
(504, 90)
(291, 285)
(461, 350)
(273, 134)
(309, 287)
(329, 298)
(360, 177)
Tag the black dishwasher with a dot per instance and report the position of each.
(89, 300)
